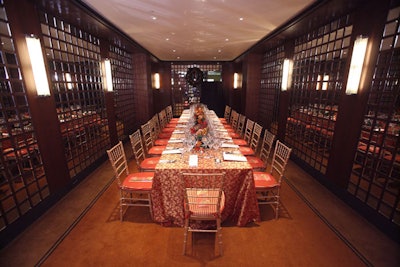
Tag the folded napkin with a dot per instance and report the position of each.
(175, 141)
(172, 151)
(234, 157)
(179, 132)
(193, 160)
(229, 145)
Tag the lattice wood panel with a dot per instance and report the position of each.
(319, 59)
(122, 71)
(23, 183)
(271, 76)
(75, 71)
(375, 178)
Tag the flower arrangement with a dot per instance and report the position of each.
(200, 127)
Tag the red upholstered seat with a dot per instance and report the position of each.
(161, 142)
(256, 163)
(229, 129)
(168, 130)
(170, 126)
(234, 135)
(165, 135)
(156, 150)
(240, 142)
(10, 153)
(149, 163)
(264, 180)
(246, 151)
(138, 181)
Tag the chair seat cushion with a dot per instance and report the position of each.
(264, 180)
(161, 142)
(240, 142)
(256, 162)
(203, 203)
(149, 163)
(168, 130)
(138, 181)
(234, 135)
(163, 135)
(156, 150)
(10, 153)
(171, 125)
(246, 151)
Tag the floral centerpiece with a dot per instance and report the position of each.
(200, 126)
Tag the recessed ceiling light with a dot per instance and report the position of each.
(167, 39)
(240, 18)
(153, 17)
(226, 40)
(219, 50)
(174, 50)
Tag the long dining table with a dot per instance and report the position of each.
(241, 205)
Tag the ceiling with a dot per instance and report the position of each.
(197, 30)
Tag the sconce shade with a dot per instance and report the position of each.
(287, 74)
(156, 82)
(356, 65)
(236, 80)
(38, 67)
(108, 75)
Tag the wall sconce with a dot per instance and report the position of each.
(108, 76)
(287, 74)
(356, 65)
(38, 67)
(237, 80)
(156, 81)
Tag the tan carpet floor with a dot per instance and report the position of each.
(298, 238)
(314, 229)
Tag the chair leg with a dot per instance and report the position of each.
(185, 233)
(219, 234)
(277, 210)
(121, 212)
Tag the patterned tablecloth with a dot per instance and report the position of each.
(168, 190)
